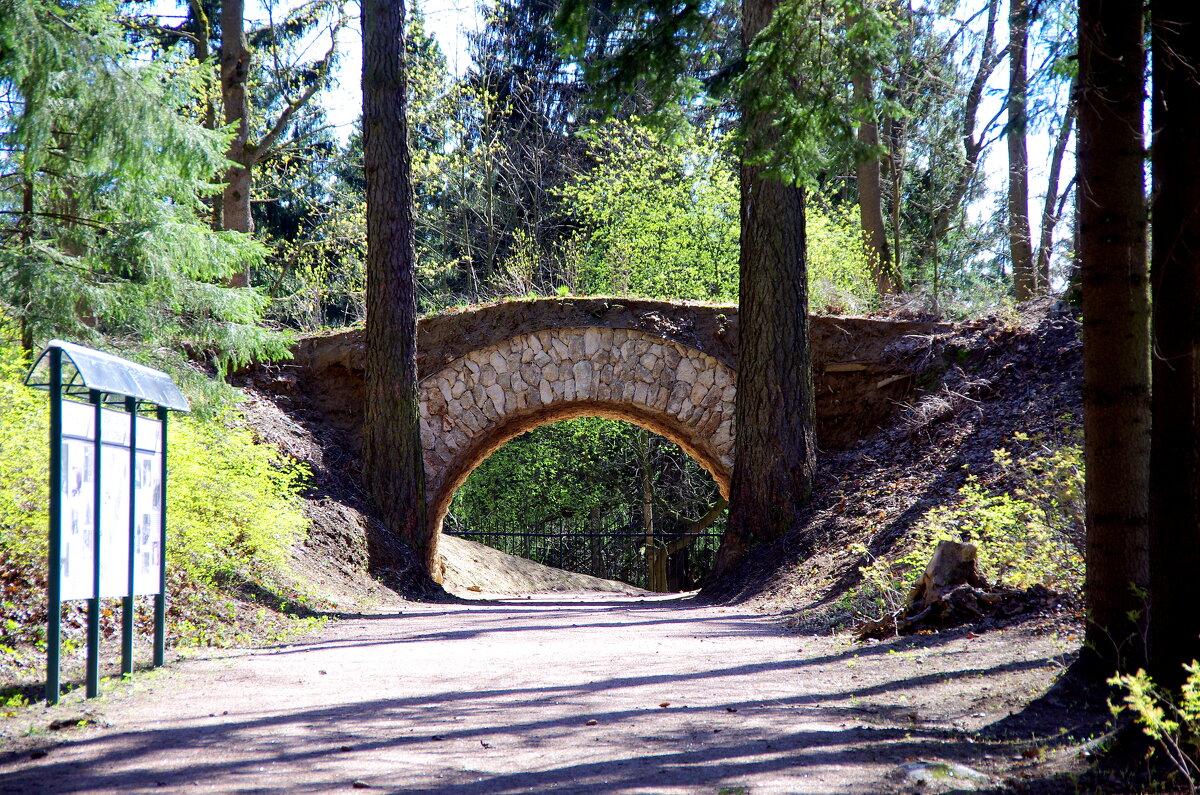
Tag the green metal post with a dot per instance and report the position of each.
(93, 618)
(160, 598)
(54, 592)
(127, 614)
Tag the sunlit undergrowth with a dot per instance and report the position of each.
(233, 506)
(1028, 530)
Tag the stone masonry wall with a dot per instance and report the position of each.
(481, 400)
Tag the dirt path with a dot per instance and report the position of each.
(564, 693)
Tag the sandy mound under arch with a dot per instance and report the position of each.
(474, 568)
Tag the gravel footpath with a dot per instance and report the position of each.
(559, 692)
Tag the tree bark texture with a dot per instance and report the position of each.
(392, 452)
(1020, 245)
(1116, 328)
(870, 197)
(1175, 275)
(774, 453)
(235, 70)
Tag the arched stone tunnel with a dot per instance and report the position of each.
(489, 373)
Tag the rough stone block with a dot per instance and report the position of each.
(685, 370)
(496, 393)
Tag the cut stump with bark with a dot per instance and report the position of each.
(954, 563)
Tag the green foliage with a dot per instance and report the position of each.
(839, 272)
(587, 476)
(1029, 535)
(24, 464)
(102, 182)
(796, 74)
(233, 504)
(1026, 536)
(233, 507)
(658, 217)
(659, 214)
(1171, 721)
(572, 467)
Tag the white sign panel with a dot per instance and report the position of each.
(78, 494)
(147, 502)
(114, 520)
(79, 510)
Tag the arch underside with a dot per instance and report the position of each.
(478, 402)
(439, 501)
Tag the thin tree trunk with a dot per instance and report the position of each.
(392, 453)
(1175, 272)
(235, 70)
(1051, 208)
(896, 180)
(1020, 245)
(23, 273)
(870, 198)
(774, 453)
(1116, 328)
(973, 146)
(656, 559)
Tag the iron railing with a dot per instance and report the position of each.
(616, 554)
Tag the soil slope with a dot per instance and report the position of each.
(1011, 382)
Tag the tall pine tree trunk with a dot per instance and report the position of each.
(235, 70)
(1116, 327)
(774, 453)
(1020, 245)
(1175, 274)
(870, 196)
(392, 454)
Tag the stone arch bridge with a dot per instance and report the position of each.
(491, 372)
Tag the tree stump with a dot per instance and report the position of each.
(953, 564)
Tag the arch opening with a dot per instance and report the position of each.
(596, 495)
(479, 401)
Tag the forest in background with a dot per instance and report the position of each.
(172, 190)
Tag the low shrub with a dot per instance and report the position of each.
(1173, 722)
(1031, 534)
(233, 508)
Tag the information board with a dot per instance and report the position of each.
(79, 509)
(78, 499)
